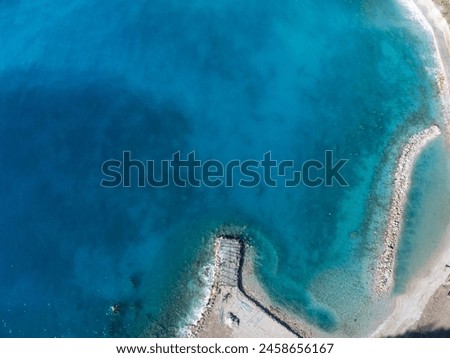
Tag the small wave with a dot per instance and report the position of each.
(417, 15)
(204, 287)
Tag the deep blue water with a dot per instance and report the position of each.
(82, 81)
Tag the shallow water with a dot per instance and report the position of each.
(426, 218)
(82, 82)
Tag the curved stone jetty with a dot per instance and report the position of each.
(384, 277)
(231, 311)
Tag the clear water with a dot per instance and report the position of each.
(426, 217)
(82, 81)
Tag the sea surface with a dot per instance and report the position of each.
(82, 81)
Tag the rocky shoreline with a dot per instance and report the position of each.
(233, 295)
(384, 276)
(422, 311)
(233, 309)
(431, 13)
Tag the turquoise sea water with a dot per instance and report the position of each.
(82, 81)
(426, 215)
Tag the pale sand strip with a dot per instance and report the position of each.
(430, 15)
(253, 287)
(231, 310)
(420, 306)
(435, 319)
(408, 307)
(384, 276)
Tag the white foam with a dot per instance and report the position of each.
(417, 15)
(415, 145)
(416, 9)
(198, 307)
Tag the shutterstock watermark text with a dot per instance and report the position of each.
(189, 171)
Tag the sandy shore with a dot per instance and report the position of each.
(253, 287)
(424, 306)
(384, 276)
(433, 12)
(435, 319)
(238, 306)
(412, 309)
